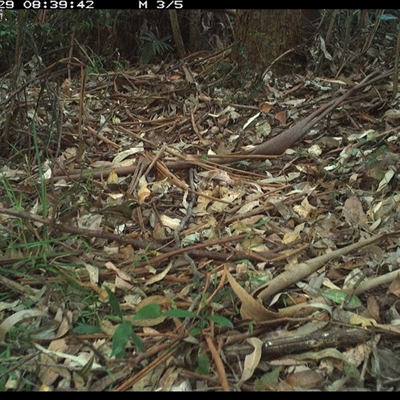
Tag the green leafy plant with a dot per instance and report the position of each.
(153, 46)
(154, 311)
(124, 331)
(141, 257)
(21, 235)
(8, 30)
(203, 364)
(341, 297)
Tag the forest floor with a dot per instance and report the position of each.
(272, 273)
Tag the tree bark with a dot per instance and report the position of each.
(264, 35)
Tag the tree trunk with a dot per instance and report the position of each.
(264, 35)
(194, 30)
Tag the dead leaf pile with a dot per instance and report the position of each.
(270, 273)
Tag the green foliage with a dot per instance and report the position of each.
(8, 30)
(5, 357)
(42, 180)
(220, 321)
(387, 17)
(179, 313)
(87, 330)
(20, 234)
(203, 319)
(13, 197)
(203, 364)
(96, 64)
(3, 378)
(17, 232)
(223, 69)
(389, 22)
(124, 332)
(151, 311)
(342, 298)
(120, 339)
(141, 257)
(269, 380)
(51, 39)
(153, 46)
(114, 303)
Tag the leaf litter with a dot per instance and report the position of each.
(271, 273)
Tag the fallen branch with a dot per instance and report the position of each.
(307, 308)
(272, 147)
(168, 252)
(303, 270)
(278, 144)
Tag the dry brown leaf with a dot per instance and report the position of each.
(392, 114)
(93, 273)
(384, 183)
(168, 379)
(366, 117)
(305, 380)
(386, 364)
(122, 284)
(251, 308)
(17, 317)
(64, 325)
(394, 288)
(266, 107)
(373, 308)
(109, 265)
(159, 277)
(159, 232)
(292, 236)
(252, 360)
(203, 97)
(254, 243)
(143, 192)
(49, 374)
(112, 181)
(353, 212)
(281, 117)
(217, 174)
(66, 87)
